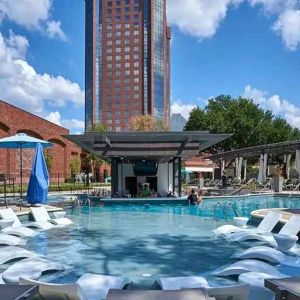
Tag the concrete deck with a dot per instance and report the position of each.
(26, 210)
(286, 213)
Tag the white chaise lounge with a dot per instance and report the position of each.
(12, 253)
(32, 268)
(178, 283)
(248, 265)
(233, 292)
(268, 254)
(291, 228)
(266, 225)
(87, 287)
(17, 228)
(41, 216)
(10, 240)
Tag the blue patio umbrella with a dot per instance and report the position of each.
(22, 141)
(39, 180)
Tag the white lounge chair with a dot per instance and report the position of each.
(178, 283)
(291, 228)
(32, 268)
(10, 240)
(42, 225)
(234, 292)
(87, 287)
(266, 225)
(40, 215)
(12, 253)
(268, 254)
(248, 265)
(17, 227)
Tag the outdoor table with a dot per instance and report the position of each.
(285, 242)
(18, 292)
(59, 214)
(285, 288)
(6, 223)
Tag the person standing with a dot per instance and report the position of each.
(193, 198)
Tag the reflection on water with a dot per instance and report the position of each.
(143, 240)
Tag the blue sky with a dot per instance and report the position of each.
(236, 47)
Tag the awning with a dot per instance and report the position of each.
(199, 169)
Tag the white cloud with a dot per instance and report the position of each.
(202, 18)
(199, 18)
(288, 26)
(274, 103)
(274, 6)
(178, 107)
(54, 117)
(33, 15)
(54, 30)
(73, 125)
(21, 85)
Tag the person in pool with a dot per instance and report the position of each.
(200, 196)
(193, 198)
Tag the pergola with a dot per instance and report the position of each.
(263, 152)
(165, 148)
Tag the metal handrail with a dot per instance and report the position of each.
(225, 209)
(229, 204)
(293, 192)
(221, 206)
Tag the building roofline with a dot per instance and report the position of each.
(29, 113)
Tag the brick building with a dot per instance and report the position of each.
(14, 120)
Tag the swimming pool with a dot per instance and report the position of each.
(145, 241)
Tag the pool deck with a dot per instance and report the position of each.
(26, 210)
(286, 213)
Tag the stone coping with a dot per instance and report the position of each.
(261, 213)
(26, 210)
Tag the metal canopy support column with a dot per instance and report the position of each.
(179, 177)
(288, 164)
(245, 169)
(174, 173)
(222, 166)
(297, 163)
(114, 177)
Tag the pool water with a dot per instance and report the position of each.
(144, 242)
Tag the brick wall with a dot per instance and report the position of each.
(14, 120)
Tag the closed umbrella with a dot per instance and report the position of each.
(22, 141)
(39, 180)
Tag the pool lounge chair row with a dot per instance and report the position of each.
(14, 235)
(96, 287)
(263, 232)
(253, 267)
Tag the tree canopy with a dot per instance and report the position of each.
(98, 128)
(249, 124)
(147, 123)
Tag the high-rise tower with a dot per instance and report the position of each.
(127, 62)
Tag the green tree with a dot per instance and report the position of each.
(48, 159)
(92, 163)
(147, 123)
(75, 165)
(249, 124)
(98, 128)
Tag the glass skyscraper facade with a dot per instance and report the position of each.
(127, 62)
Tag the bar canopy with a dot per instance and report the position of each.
(159, 146)
(256, 151)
